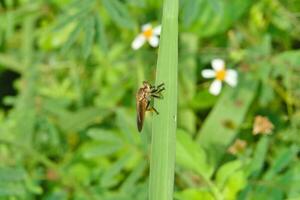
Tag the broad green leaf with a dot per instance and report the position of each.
(222, 124)
(235, 183)
(231, 179)
(226, 171)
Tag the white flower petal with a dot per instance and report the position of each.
(153, 41)
(146, 27)
(218, 64)
(157, 30)
(208, 73)
(215, 87)
(138, 42)
(231, 77)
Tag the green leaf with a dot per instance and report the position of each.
(235, 183)
(215, 16)
(294, 191)
(79, 172)
(11, 181)
(100, 33)
(226, 171)
(259, 158)
(89, 28)
(282, 161)
(194, 194)
(203, 100)
(163, 143)
(127, 125)
(191, 156)
(72, 37)
(11, 63)
(104, 135)
(12, 174)
(135, 175)
(66, 20)
(221, 126)
(9, 190)
(187, 120)
(71, 122)
(97, 150)
(119, 13)
(190, 11)
(107, 180)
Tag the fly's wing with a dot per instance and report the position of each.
(140, 113)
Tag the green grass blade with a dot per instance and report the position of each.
(164, 125)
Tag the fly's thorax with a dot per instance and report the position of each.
(140, 94)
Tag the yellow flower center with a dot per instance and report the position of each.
(148, 33)
(220, 75)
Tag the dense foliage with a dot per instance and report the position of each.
(68, 78)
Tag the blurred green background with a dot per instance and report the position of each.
(68, 79)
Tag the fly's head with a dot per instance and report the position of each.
(146, 87)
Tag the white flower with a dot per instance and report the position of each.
(220, 74)
(149, 34)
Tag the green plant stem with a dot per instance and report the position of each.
(164, 125)
(213, 189)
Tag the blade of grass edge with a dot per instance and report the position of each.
(163, 143)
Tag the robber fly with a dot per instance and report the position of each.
(143, 98)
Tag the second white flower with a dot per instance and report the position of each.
(220, 73)
(149, 34)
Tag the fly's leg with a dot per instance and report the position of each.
(148, 104)
(159, 96)
(156, 92)
(153, 109)
(160, 90)
(160, 85)
(154, 89)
